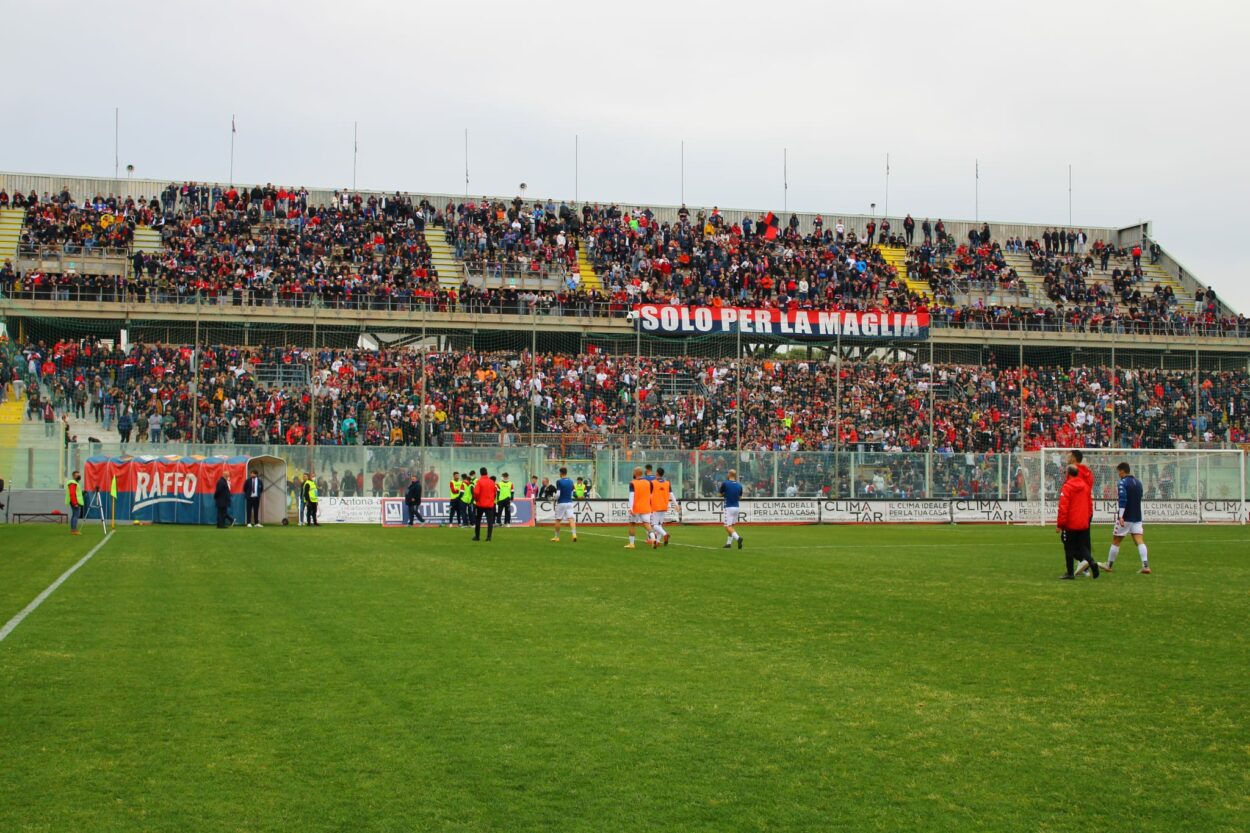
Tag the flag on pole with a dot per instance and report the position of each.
(113, 488)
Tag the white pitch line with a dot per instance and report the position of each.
(30, 608)
(674, 543)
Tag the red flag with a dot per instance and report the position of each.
(770, 226)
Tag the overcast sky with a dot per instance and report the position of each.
(1145, 100)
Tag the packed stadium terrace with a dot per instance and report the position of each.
(269, 245)
(375, 398)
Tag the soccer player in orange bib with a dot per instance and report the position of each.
(639, 504)
(661, 493)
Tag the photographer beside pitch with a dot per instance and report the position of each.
(1072, 524)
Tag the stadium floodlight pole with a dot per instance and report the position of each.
(116, 154)
(355, 149)
(576, 167)
(233, 130)
(466, 163)
(683, 171)
(976, 205)
(1069, 195)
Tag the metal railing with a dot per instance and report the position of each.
(513, 276)
(587, 306)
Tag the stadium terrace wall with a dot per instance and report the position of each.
(224, 323)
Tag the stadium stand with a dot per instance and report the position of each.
(490, 321)
(276, 245)
(388, 397)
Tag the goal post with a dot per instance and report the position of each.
(1179, 485)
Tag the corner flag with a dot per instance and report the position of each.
(113, 488)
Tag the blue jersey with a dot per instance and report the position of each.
(1130, 499)
(564, 490)
(732, 491)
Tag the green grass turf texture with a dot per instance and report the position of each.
(825, 678)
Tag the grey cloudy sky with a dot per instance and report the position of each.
(1144, 99)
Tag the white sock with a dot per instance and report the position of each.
(736, 536)
(729, 539)
(631, 539)
(573, 529)
(1111, 554)
(1141, 550)
(659, 531)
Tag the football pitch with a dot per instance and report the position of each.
(823, 678)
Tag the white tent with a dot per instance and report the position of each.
(273, 501)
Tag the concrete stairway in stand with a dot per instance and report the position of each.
(1155, 274)
(147, 240)
(10, 441)
(11, 222)
(1024, 268)
(896, 256)
(589, 277)
(443, 259)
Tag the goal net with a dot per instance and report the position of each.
(1179, 485)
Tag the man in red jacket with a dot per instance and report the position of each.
(1076, 457)
(1075, 514)
(484, 493)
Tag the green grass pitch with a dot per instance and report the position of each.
(824, 678)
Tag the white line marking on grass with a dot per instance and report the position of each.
(671, 543)
(30, 608)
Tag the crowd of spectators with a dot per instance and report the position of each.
(510, 239)
(269, 395)
(241, 247)
(704, 259)
(270, 245)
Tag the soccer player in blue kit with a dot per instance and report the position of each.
(565, 510)
(731, 490)
(1128, 520)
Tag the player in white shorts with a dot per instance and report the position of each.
(731, 491)
(565, 509)
(1128, 520)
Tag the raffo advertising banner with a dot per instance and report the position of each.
(167, 490)
(813, 325)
